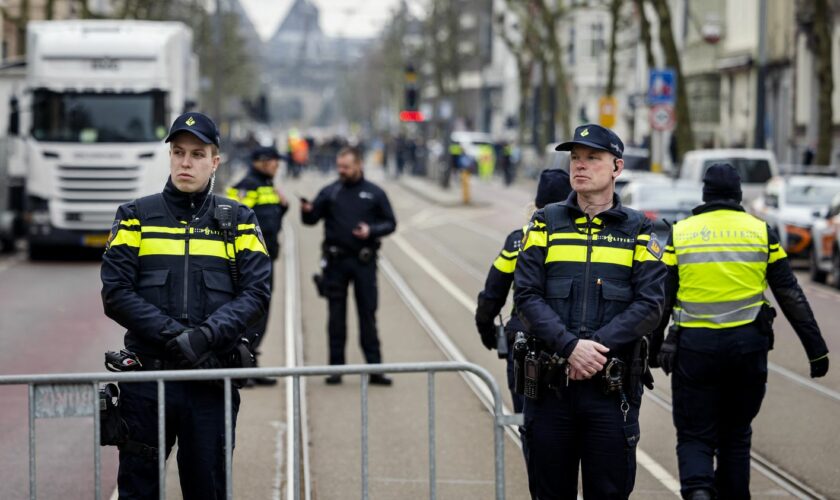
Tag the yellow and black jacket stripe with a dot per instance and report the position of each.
(720, 262)
(257, 192)
(499, 280)
(161, 275)
(579, 278)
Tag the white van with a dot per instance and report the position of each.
(756, 166)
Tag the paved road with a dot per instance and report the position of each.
(430, 273)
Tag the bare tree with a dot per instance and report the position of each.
(522, 50)
(685, 136)
(825, 79)
(549, 13)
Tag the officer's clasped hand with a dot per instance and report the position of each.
(190, 348)
(819, 367)
(587, 359)
(488, 334)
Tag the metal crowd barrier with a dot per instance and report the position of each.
(77, 395)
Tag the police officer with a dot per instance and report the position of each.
(184, 272)
(589, 285)
(553, 187)
(356, 215)
(256, 191)
(720, 260)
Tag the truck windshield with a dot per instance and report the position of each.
(98, 117)
(752, 171)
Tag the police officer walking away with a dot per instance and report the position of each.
(257, 192)
(356, 215)
(184, 272)
(589, 285)
(720, 261)
(553, 187)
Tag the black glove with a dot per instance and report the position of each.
(488, 334)
(190, 348)
(667, 356)
(819, 366)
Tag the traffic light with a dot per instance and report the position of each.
(412, 93)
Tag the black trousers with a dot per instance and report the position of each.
(584, 428)
(716, 396)
(338, 275)
(195, 416)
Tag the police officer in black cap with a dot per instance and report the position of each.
(720, 261)
(589, 285)
(356, 215)
(184, 272)
(257, 192)
(553, 187)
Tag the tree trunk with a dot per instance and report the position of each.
(555, 49)
(644, 32)
(615, 6)
(822, 38)
(685, 136)
(544, 132)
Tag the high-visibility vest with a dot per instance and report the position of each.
(722, 258)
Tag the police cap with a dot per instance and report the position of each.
(265, 153)
(196, 124)
(596, 137)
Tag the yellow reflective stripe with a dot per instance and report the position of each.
(250, 242)
(163, 229)
(774, 246)
(506, 266)
(233, 193)
(669, 248)
(126, 237)
(510, 255)
(210, 248)
(538, 224)
(245, 227)
(642, 254)
(669, 258)
(130, 222)
(161, 246)
(777, 254)
(567, 236)
(643, 237)
(600, 255)
(535, 239)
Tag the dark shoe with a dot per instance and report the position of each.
(700, 494)
(264, 381)
(379, 379)
(333, 380)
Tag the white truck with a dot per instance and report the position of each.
(97, 102)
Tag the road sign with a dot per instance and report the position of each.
(662, 86)
(607, 107)
(662, 117)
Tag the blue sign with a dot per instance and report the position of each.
(662, 86)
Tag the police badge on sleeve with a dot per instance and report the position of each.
(654, 247)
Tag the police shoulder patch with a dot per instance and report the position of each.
(654, 247)
(113, 234)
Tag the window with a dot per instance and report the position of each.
(98, 117)
(752, 170)
(597, 41)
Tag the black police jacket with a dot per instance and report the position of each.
(599, 279)
(344, 206)
(257, 192)
(166, 268)
(747, 338)
(492, 298)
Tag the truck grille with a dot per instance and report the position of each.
(98, 184)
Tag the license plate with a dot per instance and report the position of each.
(95, 240)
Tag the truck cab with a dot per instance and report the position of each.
(99, 97)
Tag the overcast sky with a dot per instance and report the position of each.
(349, 18)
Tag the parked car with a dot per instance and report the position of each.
(825, 253)
(791, 205)
(663, 200)
(756, 167)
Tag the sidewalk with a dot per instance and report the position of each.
(482, 193)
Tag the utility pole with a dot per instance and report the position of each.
(761, 98)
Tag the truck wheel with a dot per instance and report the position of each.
(817, 275)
